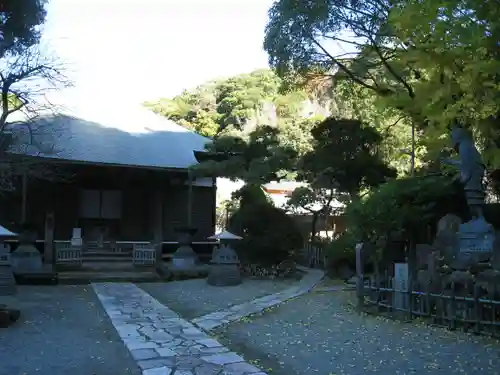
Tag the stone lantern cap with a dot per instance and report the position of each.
(224, 236)
(4, 232)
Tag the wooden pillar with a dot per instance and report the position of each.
(49, 237)
(190, 200)
(157, 216)
(214, 207)
(24, 197)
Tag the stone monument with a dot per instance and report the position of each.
(476, 237)
(401, 298)
(8, 315)
(7, 280)
(471, 170)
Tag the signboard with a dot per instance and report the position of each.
(471, 242)
(400, 285)
(476, 236)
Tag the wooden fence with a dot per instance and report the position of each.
(313, 256)
(478, 312)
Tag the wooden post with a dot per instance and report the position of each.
(190, 200)
(24, 197)
(49, 238)
(452, 310)
(158, 224)
(477, 310)
(360, 282)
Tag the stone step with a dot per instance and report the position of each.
(86, 277)
(110, 258)
(102, 266)
(106, 253)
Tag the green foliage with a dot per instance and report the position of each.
(313, 200)
(225, 103)
(19, 23)
(251, 194)
(340, 249)
(394, 127)
(238, 105)
(257, 158)
(398, 206)
(433, 63)
(310, 199)
(269, 234)
(345, 157)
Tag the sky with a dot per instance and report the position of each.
(130, 51)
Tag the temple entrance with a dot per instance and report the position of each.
(99, 217)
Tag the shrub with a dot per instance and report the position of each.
(341, 249)
(269, 234)
(401, 206)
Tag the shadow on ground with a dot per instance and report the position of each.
(318, 333)
(63, 330)
(194, 298)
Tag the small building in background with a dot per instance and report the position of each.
(327, 227)
(279, 193)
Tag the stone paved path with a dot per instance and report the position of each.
(160, 341)
(220, 318)
(194, 298)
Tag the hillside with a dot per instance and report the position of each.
(241, 103)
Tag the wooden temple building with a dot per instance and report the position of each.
(114, 181)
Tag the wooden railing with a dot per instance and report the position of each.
(144, 254)
(65, 253)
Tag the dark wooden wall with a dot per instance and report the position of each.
(138, 189)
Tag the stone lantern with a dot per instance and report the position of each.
(26, 259)
(185, 258)
(225, 270)
(7, 281)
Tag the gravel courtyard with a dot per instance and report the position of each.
(318, 333)
(193, 298)
(63, 330)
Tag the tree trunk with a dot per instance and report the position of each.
(314, 224)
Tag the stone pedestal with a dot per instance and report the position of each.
(185, 258)
(76, 238)
(26, 258)
(7, 281)
(224, 275)
(225, 269)
(475, 244)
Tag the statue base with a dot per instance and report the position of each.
(476, 239)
